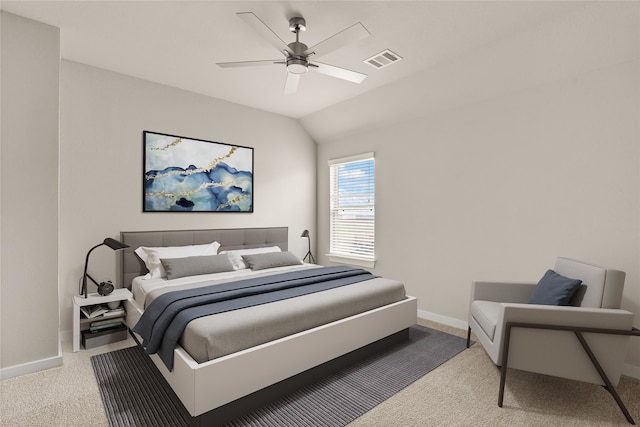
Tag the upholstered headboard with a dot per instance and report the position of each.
(130, 266)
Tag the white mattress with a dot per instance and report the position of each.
(209, 337)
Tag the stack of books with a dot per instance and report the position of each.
(104, 317)
(105, 325)
(91, 311)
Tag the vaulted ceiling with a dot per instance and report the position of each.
(178, 43)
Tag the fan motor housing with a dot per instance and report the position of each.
(298, 48)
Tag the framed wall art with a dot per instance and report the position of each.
(193, 175)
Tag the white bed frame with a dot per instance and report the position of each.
(205, 387)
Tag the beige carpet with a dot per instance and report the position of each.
(462, 392)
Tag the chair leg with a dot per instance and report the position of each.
(469, 337)
(608, 385)
(594, 361)
(505, 360)
(620, 403)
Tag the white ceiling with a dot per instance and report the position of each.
(178, 43)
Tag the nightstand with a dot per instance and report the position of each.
(120, 294)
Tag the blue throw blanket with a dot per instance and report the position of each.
(163, 322)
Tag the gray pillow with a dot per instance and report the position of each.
(270, 260)
(196, 265)
(554, 289)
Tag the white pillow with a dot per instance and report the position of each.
(235, 256)
(151, 256)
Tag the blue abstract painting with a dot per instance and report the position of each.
(193, 175)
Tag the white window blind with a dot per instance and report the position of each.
(352, 204)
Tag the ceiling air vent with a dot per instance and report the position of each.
(383, 59)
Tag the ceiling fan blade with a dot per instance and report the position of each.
(348, 35)
(341, 73)
(249, 63)
(264, 31)
(291, 84)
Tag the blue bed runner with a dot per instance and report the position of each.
(163, 322)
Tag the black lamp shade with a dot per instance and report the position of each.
(114, 244)
(305, 233)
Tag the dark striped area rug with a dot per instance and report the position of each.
(135, 394)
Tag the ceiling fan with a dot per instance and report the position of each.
(297, 54)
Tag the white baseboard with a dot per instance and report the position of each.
(35, 366)
(31, 367)
(449, 321)
(627, 369)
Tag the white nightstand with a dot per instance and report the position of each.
(120, 294)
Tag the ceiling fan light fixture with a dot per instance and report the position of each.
(297, 66)
(296, 54)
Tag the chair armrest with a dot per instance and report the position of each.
(561, 352)
(587, 317)
(508, 292)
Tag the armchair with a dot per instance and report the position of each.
(585, 341)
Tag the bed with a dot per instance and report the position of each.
(252, 364)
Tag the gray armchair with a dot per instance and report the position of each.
(585, 341)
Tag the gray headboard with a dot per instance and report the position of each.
(130, 266)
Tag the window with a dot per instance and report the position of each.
(352, 210)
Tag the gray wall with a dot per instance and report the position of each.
(102, 116)
(29, 194)
(546, 165)
(94, 176)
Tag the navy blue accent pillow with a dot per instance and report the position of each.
(554, 289)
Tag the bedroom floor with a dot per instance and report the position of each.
(461, 392)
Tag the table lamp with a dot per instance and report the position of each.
(113, 244)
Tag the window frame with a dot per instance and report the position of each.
(369, 259)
